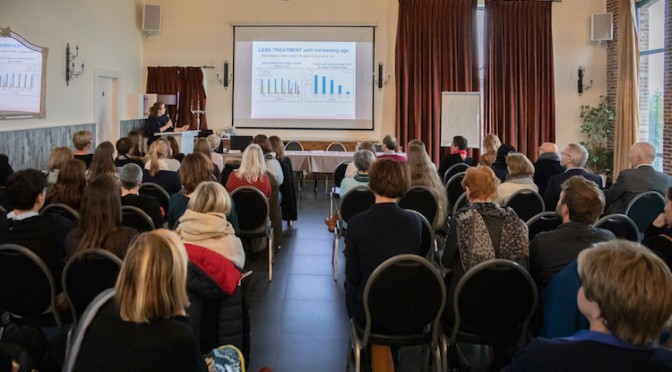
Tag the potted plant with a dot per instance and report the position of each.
(599, 132)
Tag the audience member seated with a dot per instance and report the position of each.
(519, 177)
(214, 141)
(287, 193)
(458, 154)
(202, 146)
(625, 295)
(573, 157)
(272, 164)
(351, 170)
(252, 172)
(130, 176)
(5, 170)
(44, 235)
(423, 173)
(390, 149)
(491, 144)
(158, 169)
(363, 161)
(83, 141)
(662, 225)
(69, 185)
(483, 230)
(146, 322)
(103, 162)
(204, 223)
(499, 167)
(175, 153)
(547, 165)
(100, 222)
(123, 154)
(581, 204)
(57, 159)
(382, 232)
(641, 178)
(136, 151)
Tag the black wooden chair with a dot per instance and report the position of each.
(644, 208)
(427, 242)
(662, 246)
(453, 170)
(460, 203)
(297, 146)
(621, 225)
(454, 189)
(332, 147)
(339, 175)
(159, 193)
(403, 301)
(526, 204)
(253, 218)
(420, 199)
(357, 200)
(62, 210)
(136, 218)
(544, 221)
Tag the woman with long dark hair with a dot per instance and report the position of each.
(69, 185)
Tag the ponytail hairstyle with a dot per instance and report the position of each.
(157, 151)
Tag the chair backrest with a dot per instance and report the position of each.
(644, 208)
(136, 218)
(460, 203)
(158, 192)
(251, 207)
(526, 204)
(62, 210)
(402, 296)
(662, 246)
(294, 146)
(544, 221)
(427, 238)
(453, 170)
(494, 298)
(454, 188)
(336, 147)
(621, 225)
(420, 199)
(27, 286)
(86, 274)
(339, 173)
(2, 210)
(358, 199)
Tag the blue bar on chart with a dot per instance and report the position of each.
(315, 84)
(282, 86)
(339, 89)
(331, 87)
(324, 85)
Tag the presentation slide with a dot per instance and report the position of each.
(303, 80)
(20, 77)
(303, 77)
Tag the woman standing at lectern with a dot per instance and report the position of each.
(159, 122)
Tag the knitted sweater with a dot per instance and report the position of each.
(211, 231)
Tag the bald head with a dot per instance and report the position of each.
(641, 153)
(548, 147)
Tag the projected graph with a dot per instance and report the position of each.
(15, 80)
(324, 85)
(277, 84)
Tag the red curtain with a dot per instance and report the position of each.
(518, 93)
(436, 51)
(188, 83)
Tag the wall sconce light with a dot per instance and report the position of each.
(381, 81)
(580, 84)
(70, 72)
(227, 77)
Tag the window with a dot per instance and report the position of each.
(651, 24)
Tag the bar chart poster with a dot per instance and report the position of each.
(303, 80)
(20, 76)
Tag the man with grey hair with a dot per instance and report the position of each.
(390, 149)
(547, 165)
(574, 158)
(130, 176)
(640, 178)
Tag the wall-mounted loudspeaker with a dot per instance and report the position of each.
(226, 74)
(601, 27)
(151, 18)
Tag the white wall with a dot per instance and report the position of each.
(109, 37)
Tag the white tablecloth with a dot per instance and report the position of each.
(310, 161)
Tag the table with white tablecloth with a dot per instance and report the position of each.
(310, 161)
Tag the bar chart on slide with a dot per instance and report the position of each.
(15, 80)
(278, 84)
(329, 85)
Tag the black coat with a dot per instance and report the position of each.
(288, 203)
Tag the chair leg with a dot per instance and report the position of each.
(437, 358)
(270, 258)
(334, 257)
(444, 352)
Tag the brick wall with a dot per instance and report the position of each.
(667, 112)
(612, 55)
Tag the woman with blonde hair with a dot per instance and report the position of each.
(423, 173)
(103, 162)
(146, 321)
(69, 186)
(490, 145)
(520, 177)
(252, 172)
(160, 169)
(58, 157)
(82, 141)
(204, 223)
(174, 149)
(202, 145)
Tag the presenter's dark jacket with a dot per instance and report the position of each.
(154, 124)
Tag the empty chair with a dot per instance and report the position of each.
(454, 188)
(644, 208)
(339, 174)
(253, 218)
(161, 195)
(62, 210)
(492, 305)
(86, 274)
(420, 199)
(621, 225)
(453, 170)
(136, 218)
(332, 147)
(544, 221)
(294, 146)
(526, 204)
(357, 200)
(403, 301)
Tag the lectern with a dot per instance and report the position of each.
(185, 139)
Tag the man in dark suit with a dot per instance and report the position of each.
(573, 157)
(640, 178)
(547, 165)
